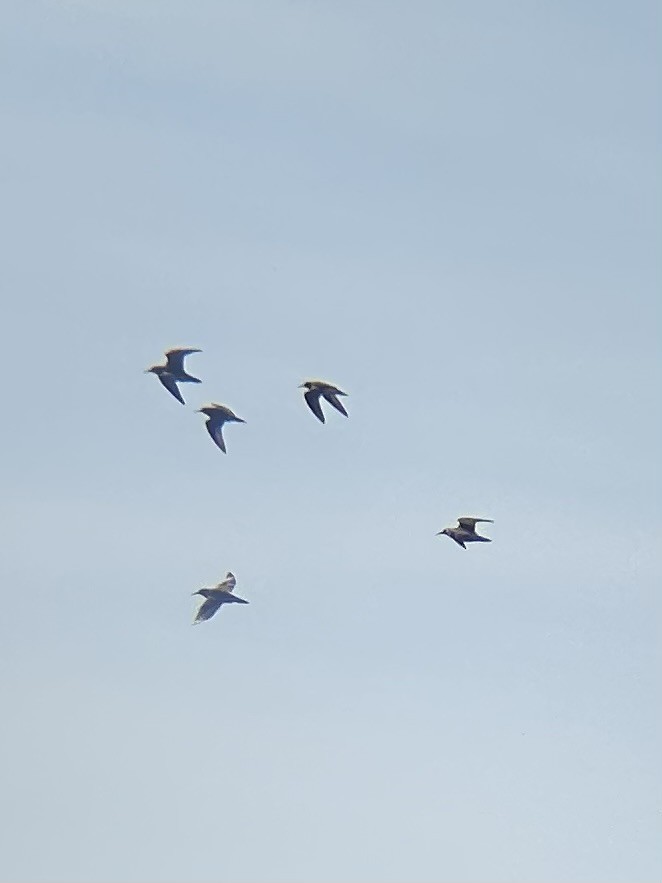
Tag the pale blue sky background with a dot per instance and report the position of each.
(451, 210)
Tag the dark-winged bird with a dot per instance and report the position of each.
(217, 415)
(465, 532)
(173, 372)
(215, 596)
(316, 389)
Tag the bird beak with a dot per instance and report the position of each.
(301, 386)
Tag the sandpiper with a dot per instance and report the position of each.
(465, 532)
(317, 389)
(173, 372)
(215, 596)
(217, 415)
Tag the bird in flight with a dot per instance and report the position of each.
(173, 372)
(316, 389)
(217, 415)
(465, 532)
(215, 596)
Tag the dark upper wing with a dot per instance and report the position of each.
(470, 523)
(175, 359)
(208, 609)
(333, 399)
(215, 429)
(171, 385)
(457, 540)
(312, 398)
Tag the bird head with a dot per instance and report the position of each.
(444, 531)
(208, 410)
(153, 370)
(306, 385)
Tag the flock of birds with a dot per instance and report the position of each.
(173, 373)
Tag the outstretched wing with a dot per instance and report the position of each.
(457, 540)
(208, 609)
(175, 359)
(333, 399)
(228, 583)
(312, 398)
(470, 523)
(215, 429)
(171, 385)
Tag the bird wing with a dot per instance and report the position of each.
(312, 398)
(333, 399)
(215, 429)
(470, 523)
(457, 540)
(228, 583)
(225, 412)
(208, 609)
(175, 359)
(171, 385)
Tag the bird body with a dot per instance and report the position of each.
(316, 389)
(173, 372)
(217, 416)
(465, 532)
(216, 596)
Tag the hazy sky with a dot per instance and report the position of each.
(452, 211)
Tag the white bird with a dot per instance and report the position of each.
(465, 532)
(173, 372)
(217, 415)
(215, 596)
(317, 389)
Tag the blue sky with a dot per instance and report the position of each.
(451, 210)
